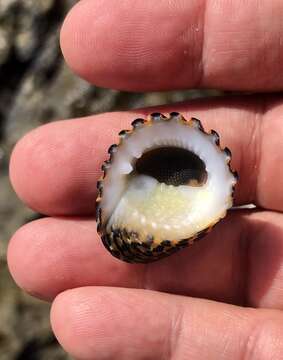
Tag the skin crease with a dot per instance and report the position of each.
(103, 308)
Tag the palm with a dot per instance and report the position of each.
(239, 263)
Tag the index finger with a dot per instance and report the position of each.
(176, 44)
(66, 156)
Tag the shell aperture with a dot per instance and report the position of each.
(165, 185)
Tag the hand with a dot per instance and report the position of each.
(106, 309)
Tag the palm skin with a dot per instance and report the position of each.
(223, 297)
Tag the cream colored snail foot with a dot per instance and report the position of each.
(165, 185)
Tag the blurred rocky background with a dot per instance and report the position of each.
(36, 87)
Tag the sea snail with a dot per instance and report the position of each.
(165, 185)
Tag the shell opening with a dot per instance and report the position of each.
(183, 167)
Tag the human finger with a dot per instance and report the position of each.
(176, 44)
(66, 156)
(240, 261)
(106, 323)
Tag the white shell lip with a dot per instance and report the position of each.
(131, 147)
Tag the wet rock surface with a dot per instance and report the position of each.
(37, 87)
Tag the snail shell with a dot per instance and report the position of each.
(164, 186)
